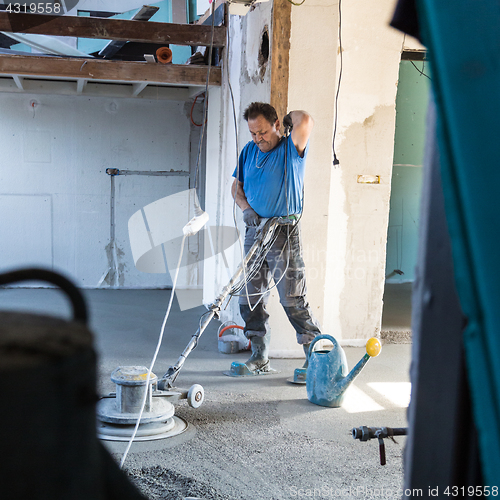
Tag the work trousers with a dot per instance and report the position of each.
(285, 265)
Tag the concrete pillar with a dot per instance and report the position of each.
(365, 144)
(344, 222)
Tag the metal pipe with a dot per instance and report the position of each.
(365, 433)
(117, 171)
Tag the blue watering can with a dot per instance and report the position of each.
(327, 374)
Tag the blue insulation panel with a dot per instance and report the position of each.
(164, 15)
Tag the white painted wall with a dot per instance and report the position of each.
(55, 194)
(346, 229)
(366, 125)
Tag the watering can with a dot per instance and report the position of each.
(327, 374)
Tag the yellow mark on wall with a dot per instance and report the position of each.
(368, 179)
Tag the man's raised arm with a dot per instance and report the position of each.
(302, 124)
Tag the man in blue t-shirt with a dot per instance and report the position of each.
(269, 182)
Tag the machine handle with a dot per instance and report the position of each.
(35, 274)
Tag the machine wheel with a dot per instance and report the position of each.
(195, 396)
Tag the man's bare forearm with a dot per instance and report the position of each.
(239, 195)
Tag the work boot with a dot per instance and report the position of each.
(259, 360)
(306, 352)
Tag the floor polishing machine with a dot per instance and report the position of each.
(118, 413)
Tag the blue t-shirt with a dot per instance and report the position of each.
(263, 178)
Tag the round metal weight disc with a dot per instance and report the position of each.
(146, 432)
(107, 411)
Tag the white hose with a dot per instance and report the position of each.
(153, 361)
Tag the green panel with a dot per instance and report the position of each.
(411, 110)
(402, 237)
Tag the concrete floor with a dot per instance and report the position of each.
(253, 438)
(396, 314)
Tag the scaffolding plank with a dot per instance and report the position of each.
(113, 29)
(102, 70)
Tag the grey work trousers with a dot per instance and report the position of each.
(285, 265)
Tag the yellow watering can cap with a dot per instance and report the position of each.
(373, 347)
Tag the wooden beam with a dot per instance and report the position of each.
(280, 56)
(102, 70)
(112, 29)
(113, 46)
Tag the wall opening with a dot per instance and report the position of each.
(264, 52)
(406, 186)
(411, 109)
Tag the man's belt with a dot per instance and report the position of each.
(289, 220)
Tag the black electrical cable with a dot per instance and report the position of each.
(420, 71)
(255, 268)
(269, 288)
(237, 154)
(262, 253)
(205, 102)
(335, 159)
(255, 265)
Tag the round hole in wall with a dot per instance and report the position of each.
(264, 47)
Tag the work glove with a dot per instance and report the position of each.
(287, 123)
(250, 217)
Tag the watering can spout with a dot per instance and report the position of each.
(327, 375)
(342, 385)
